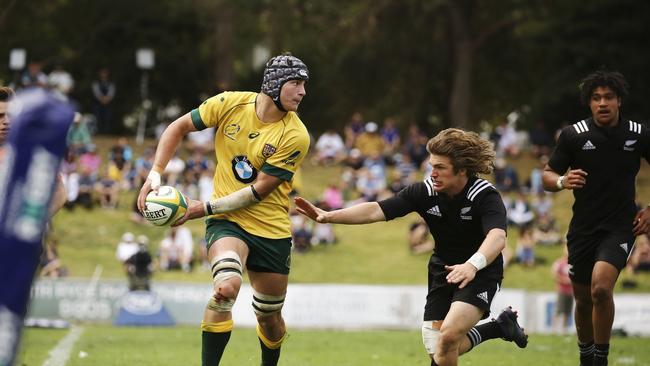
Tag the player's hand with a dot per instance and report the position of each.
(195, 210)
(151, 184)
(461, 274)
(642, 222)
(576, 178)
(308, 209)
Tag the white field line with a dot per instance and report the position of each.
(60, 354)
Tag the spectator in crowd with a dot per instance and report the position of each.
(545, 232)
(126, 247)
(406, 169)
(206, 184)
(640, 258)
(173, 173)
(330, 148)
(508, 145)
(177, 249)
(526, 246)
(390, 136)
(85, 196)
(70, 177)
(541, 140)
(534, 183)
(201, 142)
(108, 190)
(90, 161)
(139, 266)
(301, 232)
(122, 146)
(78, 135)
(415, 146)
(353, 129)
(506, 178)
(370, 142)
(420, 242)
(332, 196)
(60, 81)
(564, 290)
(33, 76)
(519, 211)
(103, 90)
(119, 169)
(197, 163)
(51, 265)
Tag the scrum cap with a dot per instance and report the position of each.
(278, 71)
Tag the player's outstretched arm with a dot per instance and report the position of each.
(363, 213)
(171, 137)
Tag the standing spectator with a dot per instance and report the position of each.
(126, 247)
(599, 158)
(104, 92)
(60, 81)
(177, 249)
(330, 148)
(564, 302)
(33, 76)
(139, 266)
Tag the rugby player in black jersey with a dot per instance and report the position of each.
(598, 158)
(467, 219)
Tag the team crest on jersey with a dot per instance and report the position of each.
(244, 171)
(291, 160)
(268, 150)
(464, 213)
(231, 130)
(629, 145)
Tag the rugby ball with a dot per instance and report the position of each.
(164, 207)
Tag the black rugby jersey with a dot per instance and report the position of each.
(612, 158)
(458, 224)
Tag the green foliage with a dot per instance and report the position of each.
(105, 345)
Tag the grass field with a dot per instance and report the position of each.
(107, 346)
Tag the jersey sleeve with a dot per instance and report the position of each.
(562, 156)
(492, 211)
(208, 113)
(403, 203)
(289, 155)
(646, 143)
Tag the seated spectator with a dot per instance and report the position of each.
(508, 144)
(174, 170)
(542, 204)
(142, 166)
(390, 136)
(541, 141)
(526, 246)
(333, 197)
(201, 142)
(206, 185)
(419, 238)
(107, 190)
(122, 146)
(534, 182)
(90, 161)
(519, 212)
(301, 232)
(119, 169)
(415, 146)
(370, 142)
(177, 249)
(126, 247)
(506, 178)
(85, 196)
(545, 233)
(353, 129)
(197, 163)
(51, 265)
(330, 148)
(78, 137)
(139, 267)
(640, 258)
(70, 178)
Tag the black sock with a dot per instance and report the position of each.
(600, 355)
(586, 353)
(213, 345)
(270, 356)
(433, 362)
(483, 332)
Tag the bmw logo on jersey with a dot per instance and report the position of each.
(244, 171)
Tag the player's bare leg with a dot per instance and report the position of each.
(269, 291)
(583, 319)
(453, 333)
(603, 280)
(227, 256)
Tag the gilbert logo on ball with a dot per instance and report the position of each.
(165, 207)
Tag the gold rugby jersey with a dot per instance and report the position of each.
(244, 146)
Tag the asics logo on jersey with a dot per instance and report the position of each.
(483, 296)
(588, 146)
(629, 145)
(253, 135)
(623, 246)
(435, 211)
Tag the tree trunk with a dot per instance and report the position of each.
(223, 36)
(463, 60)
